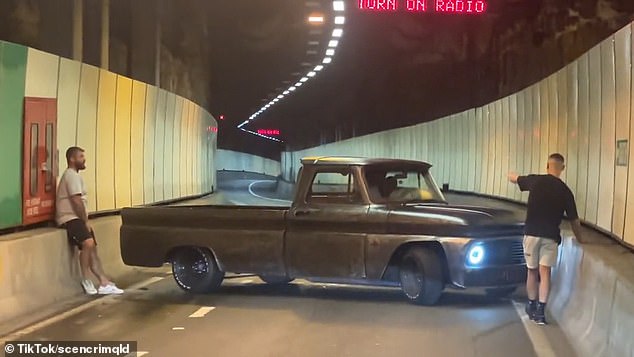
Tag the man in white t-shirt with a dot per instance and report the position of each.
(72, 214)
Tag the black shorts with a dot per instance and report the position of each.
(77, 232)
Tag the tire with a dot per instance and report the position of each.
(195, 270)
(275, 279)
(421, 276)
(500, 292)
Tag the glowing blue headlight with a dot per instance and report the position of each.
(475, 255)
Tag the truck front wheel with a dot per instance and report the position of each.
(421, 276)
(195, 270)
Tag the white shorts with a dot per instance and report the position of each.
(540, 251)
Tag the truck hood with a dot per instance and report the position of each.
(454, 220)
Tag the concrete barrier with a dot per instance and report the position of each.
(593, 298)
(38, 268)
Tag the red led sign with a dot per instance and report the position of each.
(212, 129)
(443, 6)
(269, 132)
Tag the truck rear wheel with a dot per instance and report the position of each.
(195, 270)
(421, 276)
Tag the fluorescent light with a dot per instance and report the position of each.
(338, 5)
(337, 32)
(333, 43)
(280, 96)
(313, 43)
(327, 60)
(311, 74)
(316, 19)
(318, 68)
(292, 89)
(275, 100)
(340, 20)
(303, 79)
(330, 52)
(286, 92)
(299, 84)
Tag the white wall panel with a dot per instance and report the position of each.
(168, 169)
(623, 71)
(67, 108)
(544, 124)
(87, 128)
(572, 160)
(506, 147)
(536, 159)
(41, 74)
(176, 154)
(471, 160)
(552, 117)
(584, 134)
(608, 136)
(489, 116)
(594, 164)
(137, 143)
(511, 134)
(149, 150)
(562, 117)
(499, 148)
(159, 146)
(521, 149)
(629, 214)
(481, 143)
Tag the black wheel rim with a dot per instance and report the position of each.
(412, 278)
(190, 268)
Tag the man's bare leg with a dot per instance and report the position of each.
(85, 255)
(97, 268)
(544, 291)
(532, 284)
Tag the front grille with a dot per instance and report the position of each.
(516, 253)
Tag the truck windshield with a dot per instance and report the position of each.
(406, 186)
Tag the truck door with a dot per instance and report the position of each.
(326, 230)
(40, 151)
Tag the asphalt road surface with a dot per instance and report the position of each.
(250, 318)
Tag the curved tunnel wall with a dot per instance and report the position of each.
(583, 111)
(238, 161)
(143, 144)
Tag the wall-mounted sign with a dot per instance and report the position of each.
(622, 153)
(269, 132)
(212, 129)
(423, 6)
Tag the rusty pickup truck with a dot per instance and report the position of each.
(353, 220)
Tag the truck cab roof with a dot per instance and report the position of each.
(361, 161)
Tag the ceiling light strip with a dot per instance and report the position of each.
(339, 8)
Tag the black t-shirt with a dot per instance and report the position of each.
(549, 198)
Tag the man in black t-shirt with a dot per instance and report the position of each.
(548, 199)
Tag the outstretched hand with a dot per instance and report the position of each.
(512, 176)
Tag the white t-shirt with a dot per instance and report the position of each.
(71, 184)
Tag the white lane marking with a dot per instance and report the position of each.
(178, 328)
(535, 333)
(262, 197)
(74, 311)
(202, 311)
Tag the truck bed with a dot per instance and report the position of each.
(244, 239)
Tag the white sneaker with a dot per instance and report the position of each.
(110, 289)
(88, 286)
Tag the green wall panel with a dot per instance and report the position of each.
(12, 79)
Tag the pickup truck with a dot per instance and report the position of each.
(353, 220)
